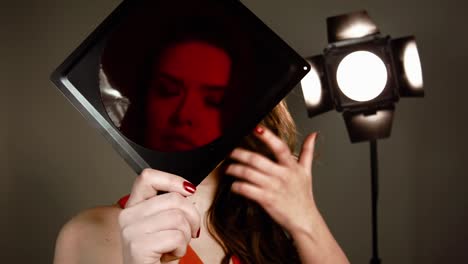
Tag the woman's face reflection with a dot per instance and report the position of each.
(185, 96)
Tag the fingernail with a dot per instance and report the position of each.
(189, 187)
(198, 233)
(259, 130)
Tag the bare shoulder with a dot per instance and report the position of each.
(91, 237)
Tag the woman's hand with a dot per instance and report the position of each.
(157, 228)
(282, 188)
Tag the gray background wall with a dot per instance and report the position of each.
(53, 164)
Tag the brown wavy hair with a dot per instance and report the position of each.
(240, 225)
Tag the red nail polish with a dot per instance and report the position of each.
(189, 187)
(198, 233)
(259, 130)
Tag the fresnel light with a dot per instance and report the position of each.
(362, 74)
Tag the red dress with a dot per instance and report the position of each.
(190, 256)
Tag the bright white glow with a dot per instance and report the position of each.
(357, 29)
(361, 76)
(412, 65)
(373, 120)
(312, 88)
(305, 68)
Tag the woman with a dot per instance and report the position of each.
(256, 207)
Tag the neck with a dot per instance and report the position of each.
(206, 247)
(210, 180)
(204, 195)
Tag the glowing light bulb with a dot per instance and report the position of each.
(362, 76)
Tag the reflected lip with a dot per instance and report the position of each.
(179, 139)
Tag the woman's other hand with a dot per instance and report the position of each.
(283, 188)
(157, 228)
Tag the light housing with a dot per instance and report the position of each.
(339, 79)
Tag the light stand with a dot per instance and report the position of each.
(363, 75)
(375, 197)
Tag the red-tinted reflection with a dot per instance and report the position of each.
(185, 96)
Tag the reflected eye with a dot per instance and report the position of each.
(164, 89)
(214, 101)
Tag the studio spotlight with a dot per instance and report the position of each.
(362, 74)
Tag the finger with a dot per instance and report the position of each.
(275, 144)
(173, 219)
(158, 204)
(306, 156)
(155, 245)
(166, 258)
(255, 160)
(248, 174)
(150, 181)
(247, 190)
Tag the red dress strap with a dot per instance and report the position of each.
(190, 257)
(123, 201)
(235, 260)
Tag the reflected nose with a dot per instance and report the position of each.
(187, 110)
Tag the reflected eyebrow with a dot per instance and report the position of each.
(179, 82)
(214, 88)
(171, 78)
